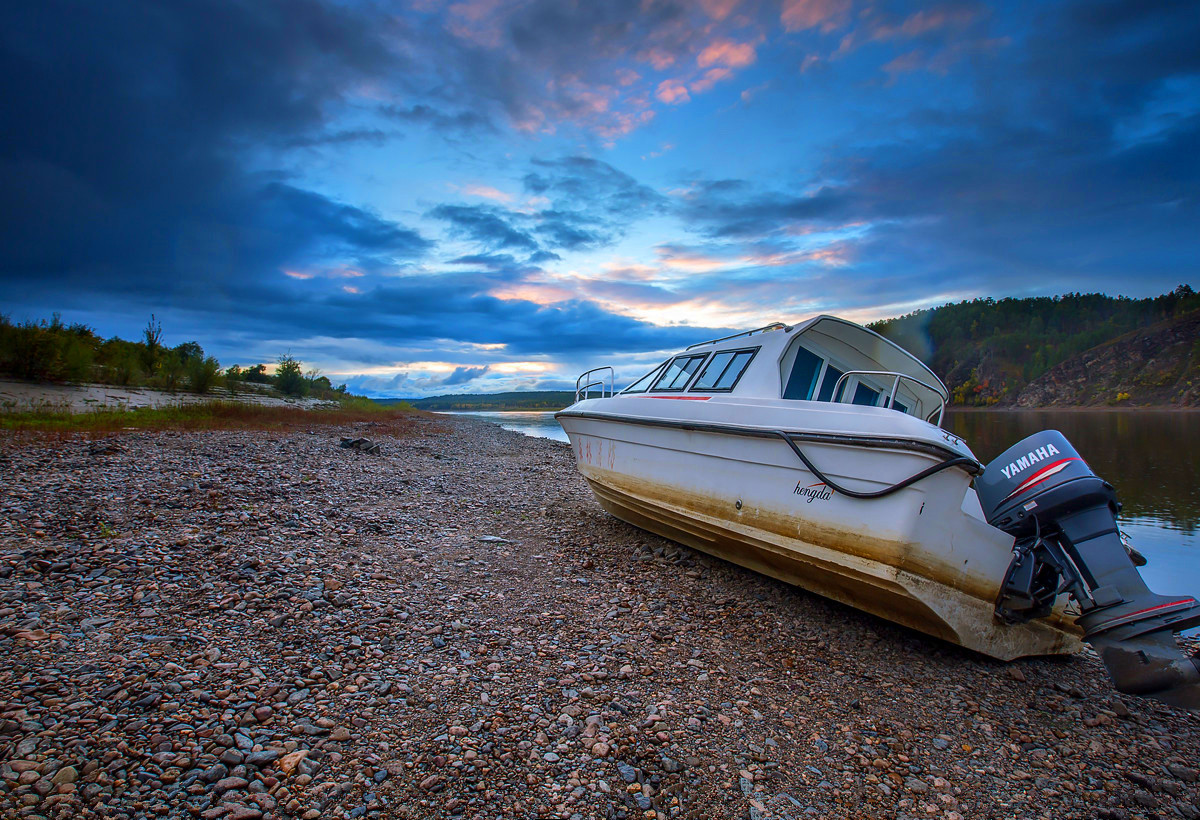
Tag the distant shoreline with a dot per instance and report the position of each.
(1149, 408)
(949, 409)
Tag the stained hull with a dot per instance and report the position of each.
(917, 557)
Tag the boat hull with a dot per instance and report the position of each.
(917, 557)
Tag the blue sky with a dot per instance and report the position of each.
(488, 195)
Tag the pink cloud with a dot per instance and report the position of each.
(941, 62)
(710, 78)
(909, 61)
(478, 21)
(539, 294)
(350, 289)
(798, 15)
(672, 92)
(487, 192)
(749, 94)
(622, 123)
(727, 53)
(661, 59)
(923, 22)
(718, 9)
(875, 28)
(295, 274)
(627, 77)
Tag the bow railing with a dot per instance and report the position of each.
(583, 386)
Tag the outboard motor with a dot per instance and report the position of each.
(1064, 518)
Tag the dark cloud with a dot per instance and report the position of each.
(462, 375)
(574, 231)
(594, 204)
(424, 310)
(373, 136)
(485, 224)
(181, 156)
(730, 208)
(1079, 156)
(584, 182)
(132, 167)
(466, 122)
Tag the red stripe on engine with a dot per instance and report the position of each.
(1037, 478)
(1144, 611)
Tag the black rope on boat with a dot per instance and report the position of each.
(958, 461)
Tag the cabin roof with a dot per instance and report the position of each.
(774, 339)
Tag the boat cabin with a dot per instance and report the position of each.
(825, 359)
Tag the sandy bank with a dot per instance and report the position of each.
(21, 397)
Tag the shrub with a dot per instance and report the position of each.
(77, 358)
(124, 369)
(170, 371)
(289, 376)
(203, 374)
(46, 351)
(257, 374)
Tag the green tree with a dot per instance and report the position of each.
(171, 371)
(203, 374)
(257, 374)
(152, 346)
(289, 376)
(189, 350)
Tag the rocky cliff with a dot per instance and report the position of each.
(1156, 365)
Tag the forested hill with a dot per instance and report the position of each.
(533, 400)
(988, 350)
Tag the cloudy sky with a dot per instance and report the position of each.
(431, 197)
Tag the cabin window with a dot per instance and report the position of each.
(679, 372)
(832, 374)
(723, 370)
(865, 396)
(643, 384)
(803, 378)
(898, 406)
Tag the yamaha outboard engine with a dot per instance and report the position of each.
(1064, 518)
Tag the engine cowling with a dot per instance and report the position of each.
(1064, 518)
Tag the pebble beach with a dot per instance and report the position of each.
(244, 625)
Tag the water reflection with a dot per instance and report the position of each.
(1149, 456)
(540, 424)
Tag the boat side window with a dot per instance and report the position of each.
(679, 372)
(803, 378)
(643, 384)
(832, 374)
(723, 370)
(864, 395)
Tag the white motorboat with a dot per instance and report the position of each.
(813, 453)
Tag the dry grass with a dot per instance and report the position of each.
(215, 415)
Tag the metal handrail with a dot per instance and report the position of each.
(942, 397)
(585, 389)
(772, 326)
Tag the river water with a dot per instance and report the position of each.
(1152, 457)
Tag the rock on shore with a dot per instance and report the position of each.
(243, 625)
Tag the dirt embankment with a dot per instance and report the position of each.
(26, 397)
(244, 625)
(1157, 366)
